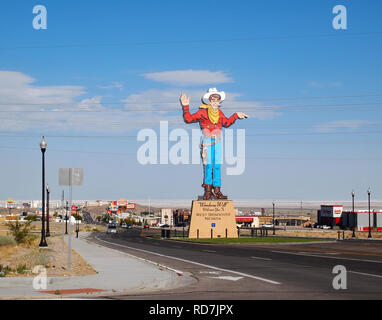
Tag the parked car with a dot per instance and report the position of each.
(326, 227)
(129, 226)
(165, 226)
(268, 225)
(124, 225)
(111, 228)
(146, 226)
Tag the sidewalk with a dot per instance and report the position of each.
(117, 273)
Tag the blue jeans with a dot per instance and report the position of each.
(212, 175)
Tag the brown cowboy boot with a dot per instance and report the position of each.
(207, 192)
(218, 194)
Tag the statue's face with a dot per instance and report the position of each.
(215, 101)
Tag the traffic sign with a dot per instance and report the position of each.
(70, 176)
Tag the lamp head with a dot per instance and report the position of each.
(43, 144)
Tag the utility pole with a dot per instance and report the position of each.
(62, 217)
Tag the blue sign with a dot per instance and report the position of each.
(213, 225)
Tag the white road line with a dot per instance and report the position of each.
(268, 259)
(320, 256)
(193, 262)
(209, 251)
(332, 253)
(366, 274)
(146, 260)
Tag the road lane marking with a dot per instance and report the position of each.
(261, 258)
(315, 253)
(212, 251)
(366, 274)
(227, 278)
(320, 256)
(143, 259)
(193, 262)
(210, 272)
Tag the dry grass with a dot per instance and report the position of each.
(24, 257)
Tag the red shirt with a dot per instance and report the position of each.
(206, 125)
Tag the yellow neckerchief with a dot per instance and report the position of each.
(213, 115)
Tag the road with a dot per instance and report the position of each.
(253, 271)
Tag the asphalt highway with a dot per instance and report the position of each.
(253, 271)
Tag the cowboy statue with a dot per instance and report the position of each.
(211, 120)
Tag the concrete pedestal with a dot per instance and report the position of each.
(213, 219)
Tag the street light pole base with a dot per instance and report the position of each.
(43, 244)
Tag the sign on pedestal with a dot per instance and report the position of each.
(214, 219)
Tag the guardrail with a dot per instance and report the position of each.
(254, 232)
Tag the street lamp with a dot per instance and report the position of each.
(66, 217)
(273, 219)
(43, 146)
(352, 195)
(368, 193)
(77, 224)
(47, 211)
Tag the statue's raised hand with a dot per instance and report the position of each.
(241, 115)
(184, 100)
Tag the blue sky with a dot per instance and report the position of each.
(313, 94)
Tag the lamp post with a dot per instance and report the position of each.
(66, 217)
(77, 224)
(43, 146)
(352, 195)
(273, 219)
(47, 211)
(368, 194)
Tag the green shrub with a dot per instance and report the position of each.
(31, 217)
(7, 241)
(21, 268)
(19, 231)
(4, 270)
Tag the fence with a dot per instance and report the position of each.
(252, 232)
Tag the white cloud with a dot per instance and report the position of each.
(167, 101)
(16, 89)
(27, 106)
(342, 124)
(189, 77)
(114, 85)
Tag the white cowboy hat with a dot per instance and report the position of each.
(212, 91)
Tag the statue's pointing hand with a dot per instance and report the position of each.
(241, 115)
(184, 100)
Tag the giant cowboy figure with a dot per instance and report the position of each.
(211, 120)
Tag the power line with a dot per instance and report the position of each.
(179, 42)
(287, 157)
(247, 135)
(167, 102)
(179, 110)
